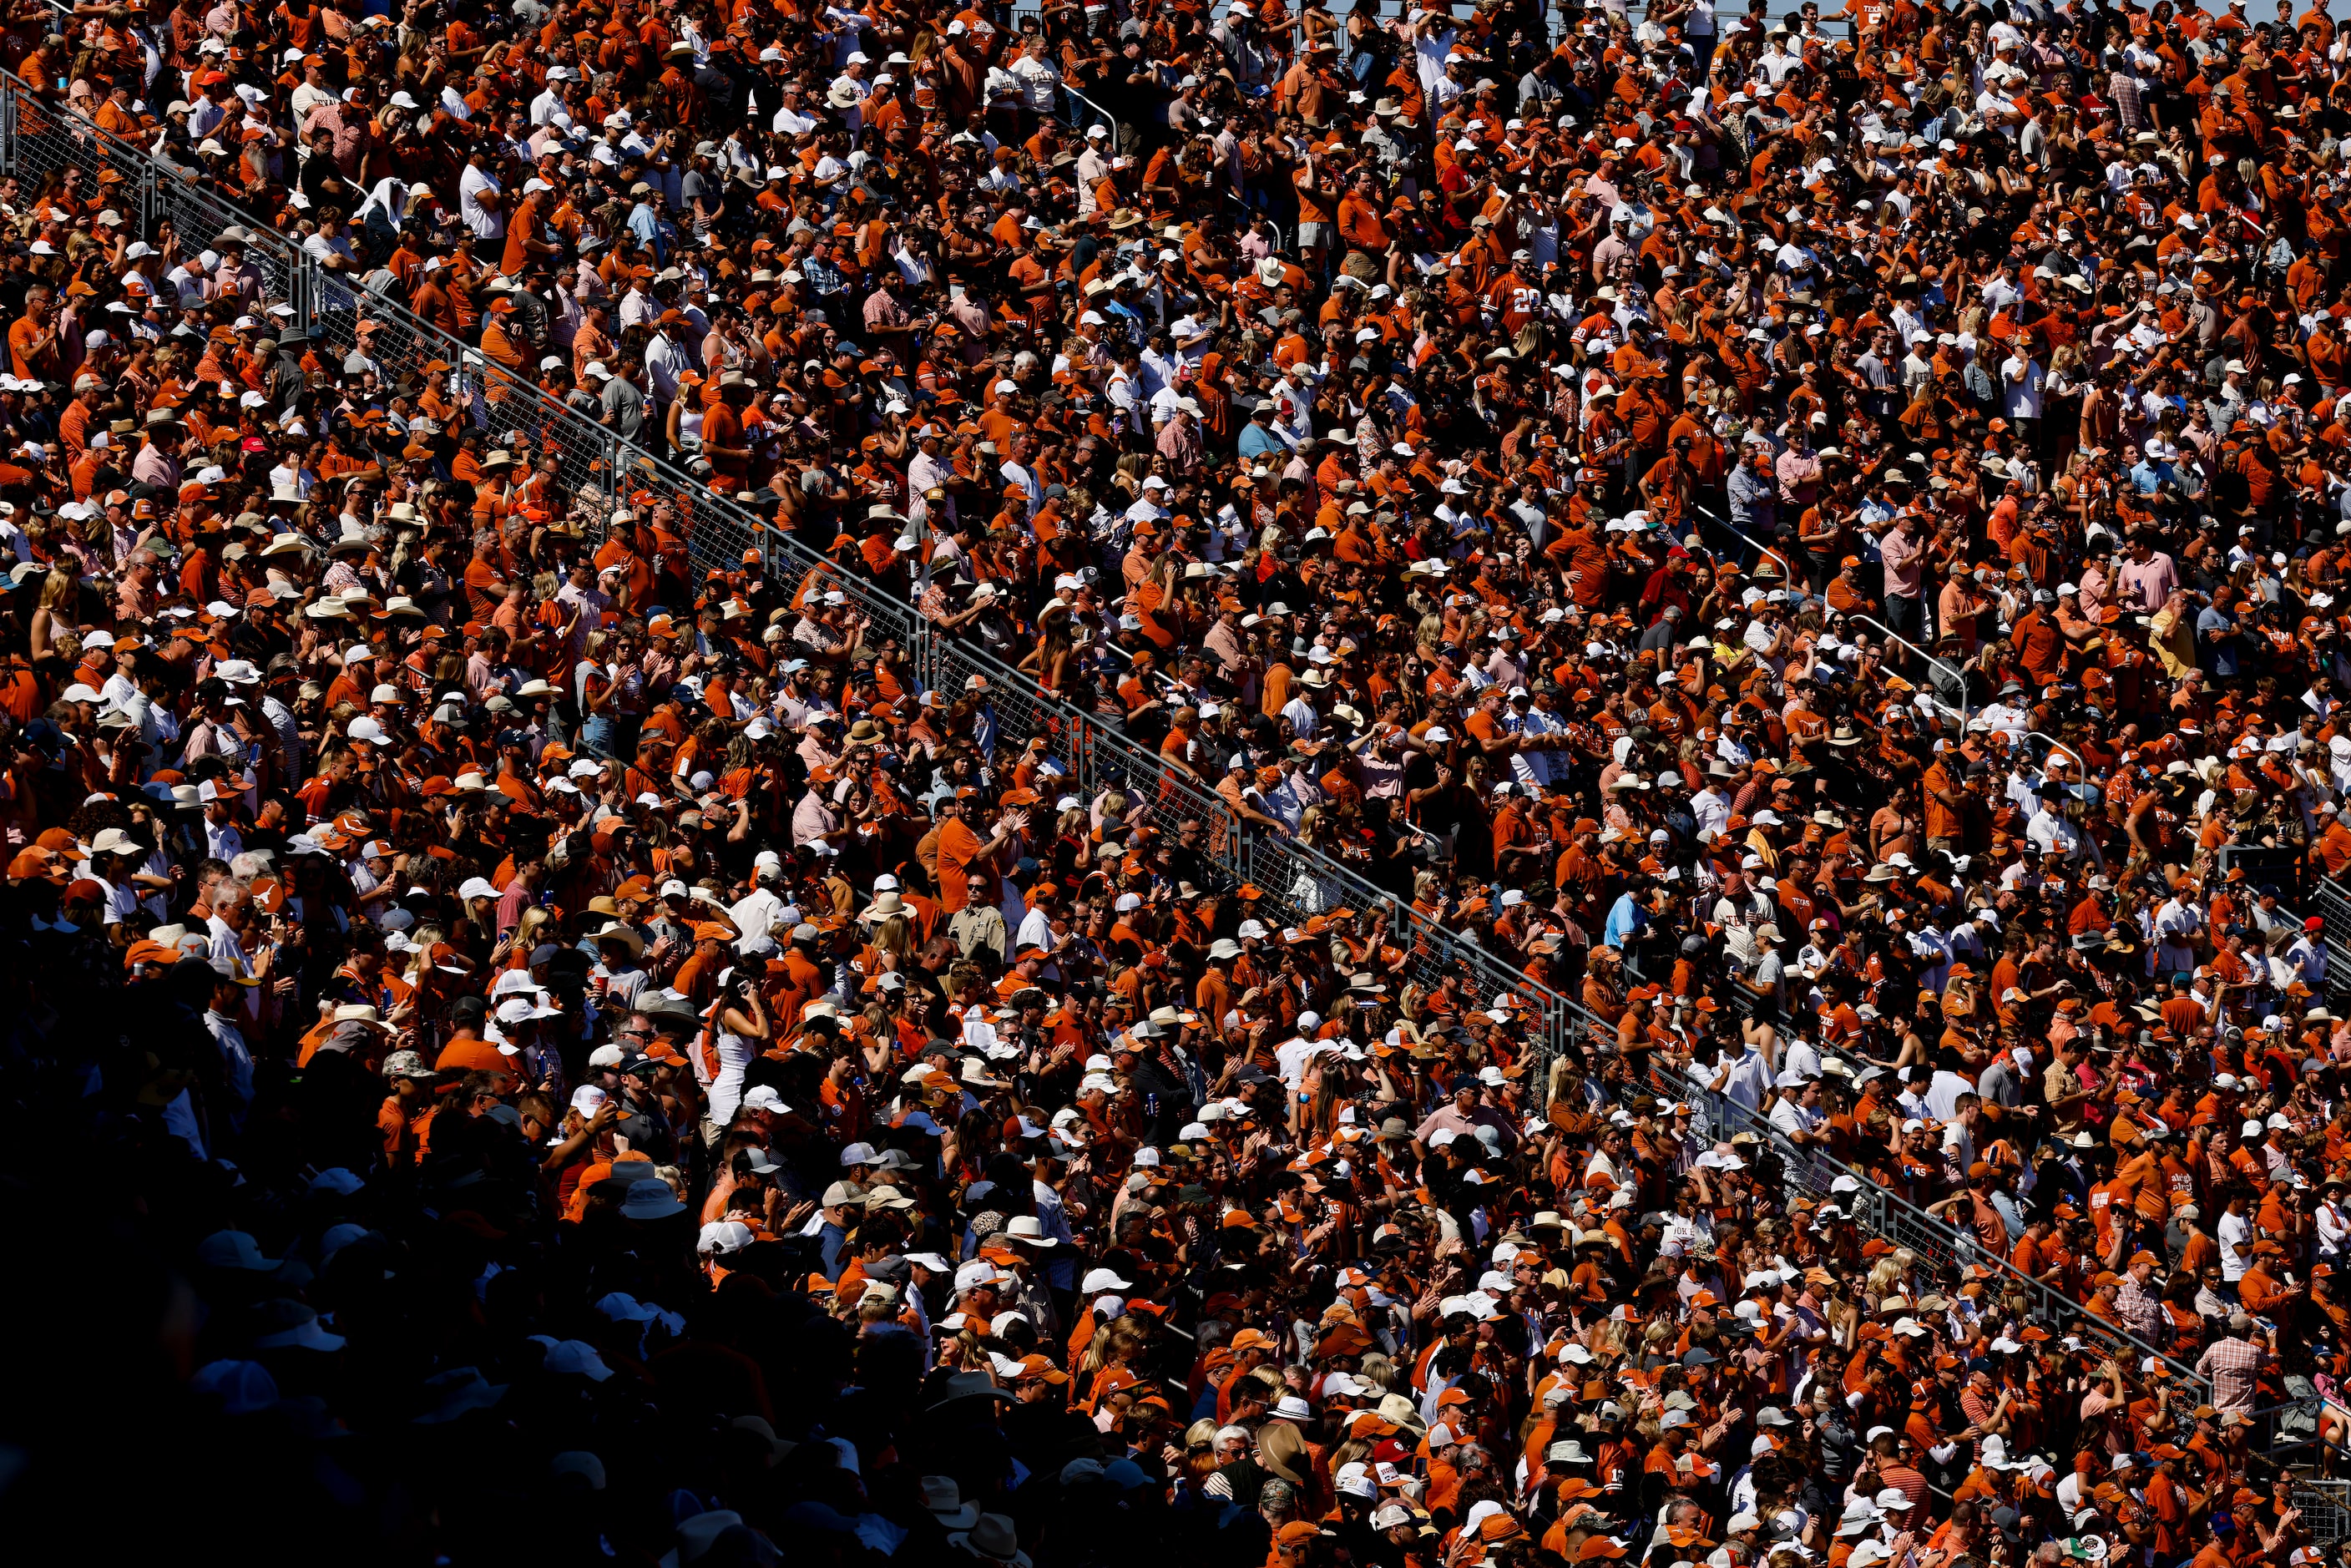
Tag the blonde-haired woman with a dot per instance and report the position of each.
(53, 617)
(1887, 1278)
(893, 947)
(417, 961)
(535, 920)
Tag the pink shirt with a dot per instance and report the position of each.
(2148, 586)
(1904, 558)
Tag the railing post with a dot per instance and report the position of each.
(302, 288)
(9, 128)
(918, 655)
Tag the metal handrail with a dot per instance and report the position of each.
(1727, 526)
(2333, 903)
(1965, 711)
(2055, 745)
(1068, 95)
(719, 528)
(1107, 117)
(1893, 1214)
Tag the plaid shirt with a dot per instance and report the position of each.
(2231, 1364)
(2122, 90)
(2141, 1313)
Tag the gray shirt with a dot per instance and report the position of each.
(624, 408)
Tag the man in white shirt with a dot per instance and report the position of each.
(2177, 923)
(1304, 722)
(236, 1058)
(756, 913)
(2306, 955)
(228, 903)
(1777, 64)
(2334, 1232)
(1290, 1057)
(1035, 929)
(1800, 1057)
(791, 121)
(2054, 834)
(314, 89)
(1960, 1133)
(222, 840)
(2021, 379)
(1933, 951)
(480, 199)
(1093, 166)
(548, 104)
(2235, 1230)
(665, 358)
(1742, 1074)
(1798, 1112)
(1146, 505)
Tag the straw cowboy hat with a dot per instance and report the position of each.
(992, 1540)
(627, 936)
(964, 1385)
(697, 1536)
(1026, 1229)
(945, 1501)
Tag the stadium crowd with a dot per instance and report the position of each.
(1814, 547)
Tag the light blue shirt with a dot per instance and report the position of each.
(1624, 920)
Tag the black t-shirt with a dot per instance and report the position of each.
(718, 94)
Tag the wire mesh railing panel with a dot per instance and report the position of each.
(1018, 712)
(46, 142)
(2326, 1506)
(1435, 962)
(1089, 753)
(2332, 902)
(1949, 1250)
(723, 535)
(1810, 1174)
(198, 220)
(1176, 807)
(172, 204)
(499, 394)
(41, 142)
